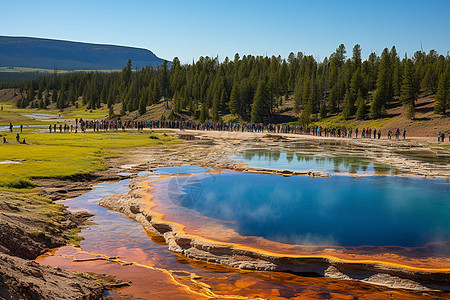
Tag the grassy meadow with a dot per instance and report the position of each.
(61, 155)
(11, 113)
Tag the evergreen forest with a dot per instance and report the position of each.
(252, 87)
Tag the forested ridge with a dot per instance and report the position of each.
(252, 87)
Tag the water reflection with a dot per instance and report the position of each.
(441, 157)
(303, 162)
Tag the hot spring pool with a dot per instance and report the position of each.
(335, 211)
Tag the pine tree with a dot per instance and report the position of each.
(305, 117)
(123, 110)
(397, 77)
(85, 95)
(30, 94)
(60, 103)
(411, 111)
(46, 100)
(443, 94)
(361, 112)
(298, 97)
(340, 54)
(333, 99)
(410, 88)
(204, 112)
(356, 58)
(356, 85)
(71, 96)
(347, 112)
(382, 94)
(323, 111)
(143, 105)
(260, 107)
(215, 108)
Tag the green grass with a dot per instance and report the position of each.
(11, 113)
(74, 238)
(84, 113)
(31, 205)
(101, 140)
(61, 155)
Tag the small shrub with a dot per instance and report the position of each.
(20, 184)
(38, 234)
(74, 238)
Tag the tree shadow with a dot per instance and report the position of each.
(393, 115)
(392, 105)
(276, 119)
(422, 119)
(425, 107)
(424, 110)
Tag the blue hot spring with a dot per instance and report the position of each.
(334, 211)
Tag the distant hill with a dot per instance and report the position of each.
(65, 55)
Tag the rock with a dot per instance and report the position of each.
(44, 283)
(314, 173)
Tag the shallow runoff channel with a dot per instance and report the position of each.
(118, 245)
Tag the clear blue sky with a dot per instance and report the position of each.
(189, 29)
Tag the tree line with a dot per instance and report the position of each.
(253, 87)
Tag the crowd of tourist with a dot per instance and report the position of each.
(118, 124)
(110, 125)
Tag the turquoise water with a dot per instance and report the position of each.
(303, 162)
(183, 169)
(335, 211)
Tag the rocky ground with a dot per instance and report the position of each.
(30, 225)
(26, 279)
